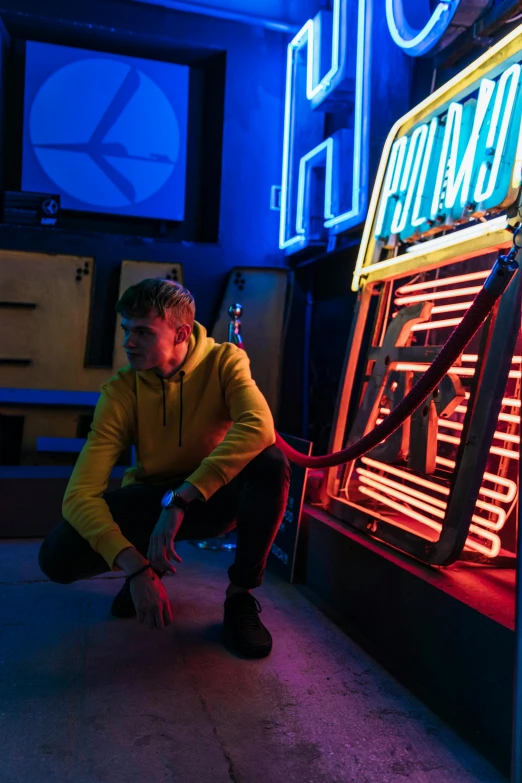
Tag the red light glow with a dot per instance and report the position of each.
(443, 324)
(432, 296)
(424, 499)
(444, 281)
(426, 502)
(491, 551)
(451, 308)
(440, 488)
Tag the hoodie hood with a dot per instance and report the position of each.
(199, 348)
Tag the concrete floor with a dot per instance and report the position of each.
(88, 699)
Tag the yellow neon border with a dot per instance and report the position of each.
(484, 239)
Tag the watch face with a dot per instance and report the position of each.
(167, 498)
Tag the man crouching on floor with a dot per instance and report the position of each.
(206, 463)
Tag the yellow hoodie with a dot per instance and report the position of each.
(203, 425)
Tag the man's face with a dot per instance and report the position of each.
(150, 342)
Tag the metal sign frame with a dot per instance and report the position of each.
(499, 340)
(488, 234)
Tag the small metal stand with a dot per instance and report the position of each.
(227, 541)
(235, 312)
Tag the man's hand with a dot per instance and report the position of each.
(150, 600)
(161, 545)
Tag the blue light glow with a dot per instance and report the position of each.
(417, 42)
(343, 155)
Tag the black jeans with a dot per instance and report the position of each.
(253, 502)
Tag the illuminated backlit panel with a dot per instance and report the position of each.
(324, 178)
(445, 485)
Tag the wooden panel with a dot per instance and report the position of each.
(45, 305)
(133, 272)
(262, 294)
(44, 319)
(46, 423)
(42, 422)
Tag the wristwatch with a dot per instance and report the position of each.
(171, 498)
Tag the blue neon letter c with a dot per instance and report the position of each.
(417, 42)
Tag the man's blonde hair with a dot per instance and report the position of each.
(172, 302)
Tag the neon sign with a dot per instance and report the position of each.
(324, 177)
(449, 168)
(458, 165)
(436, 31)
(444, 486)
(425, 443)
(415, 480)
(418, 41)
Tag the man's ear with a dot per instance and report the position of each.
(183, 334)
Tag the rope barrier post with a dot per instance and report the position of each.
(235, 311)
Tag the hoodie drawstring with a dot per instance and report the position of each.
(164, 406)
(181, 375)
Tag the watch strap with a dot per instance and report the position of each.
(179, 502)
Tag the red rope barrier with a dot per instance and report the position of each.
(456, 343)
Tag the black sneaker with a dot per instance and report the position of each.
(243, 631)
(123, 605)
